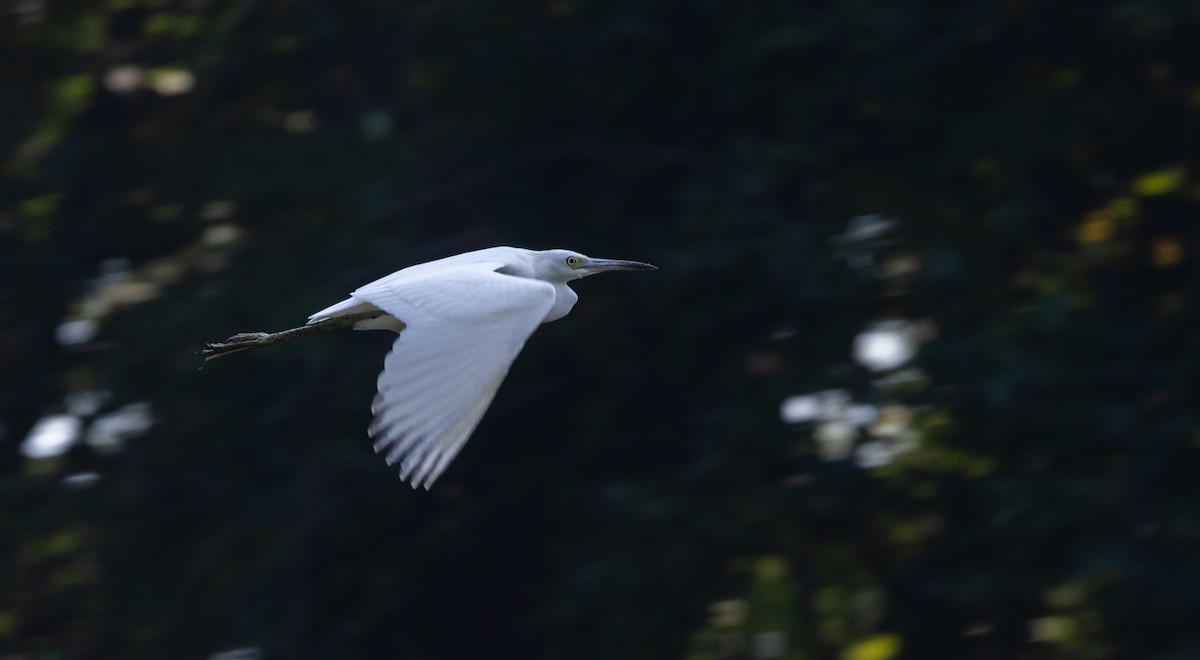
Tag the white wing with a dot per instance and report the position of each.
(466, 323)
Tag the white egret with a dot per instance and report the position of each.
(462, 321)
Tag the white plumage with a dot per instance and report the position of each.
(462, 321)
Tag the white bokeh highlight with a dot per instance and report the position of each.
(75, 332)
(885, 345)
(51, 436)
(109, 432)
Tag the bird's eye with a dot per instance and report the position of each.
(574, 261)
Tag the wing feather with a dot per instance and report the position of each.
(466, 323)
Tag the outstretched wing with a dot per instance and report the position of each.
(465, 326)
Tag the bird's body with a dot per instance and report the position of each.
(462, 321)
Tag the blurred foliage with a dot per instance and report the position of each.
(1010, 185)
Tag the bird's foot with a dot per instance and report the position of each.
(245, 337)
(243, 341)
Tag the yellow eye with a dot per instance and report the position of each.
(574, 262)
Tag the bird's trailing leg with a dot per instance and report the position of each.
(245, 341)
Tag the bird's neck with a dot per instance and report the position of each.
(564, 300)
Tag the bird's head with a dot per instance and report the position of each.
(566, 265)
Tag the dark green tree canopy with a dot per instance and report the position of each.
(917, 377)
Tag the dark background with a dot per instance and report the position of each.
(177, 171)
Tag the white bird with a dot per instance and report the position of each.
(462, 321)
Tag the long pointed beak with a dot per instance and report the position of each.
(605, 265)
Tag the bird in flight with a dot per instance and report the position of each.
(461, 321)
